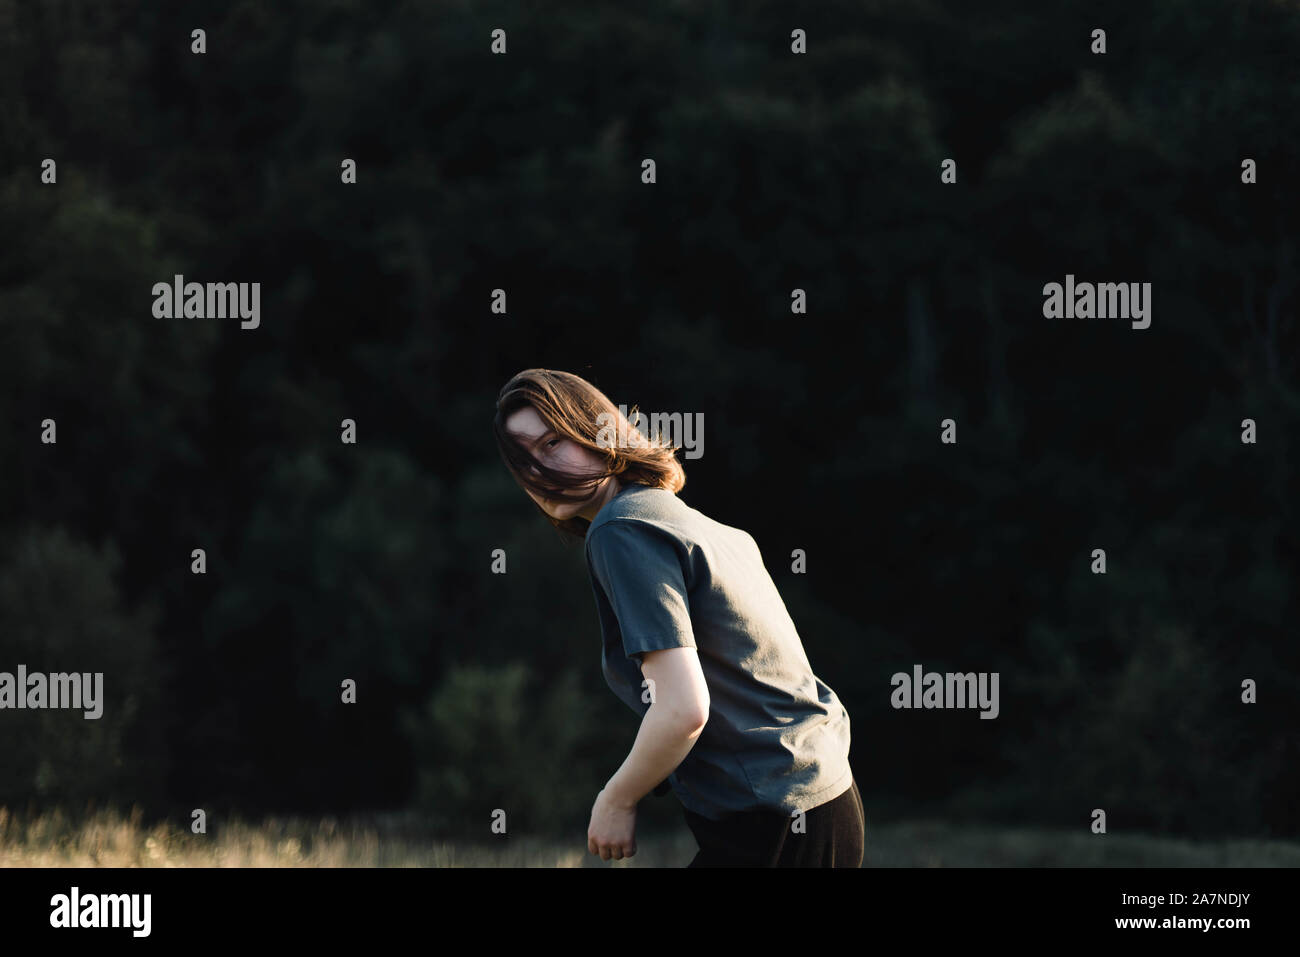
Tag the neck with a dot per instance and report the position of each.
(600, 499)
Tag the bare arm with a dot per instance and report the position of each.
(679, 709)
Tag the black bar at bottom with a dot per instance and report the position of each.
(333, 906)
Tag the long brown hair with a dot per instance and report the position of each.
(572, 407)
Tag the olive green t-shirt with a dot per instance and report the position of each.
(668, 576)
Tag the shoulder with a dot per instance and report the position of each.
(639, 503)
(625, 534)
(627, 552)
(641, 522)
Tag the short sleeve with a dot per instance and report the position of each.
(638, 569)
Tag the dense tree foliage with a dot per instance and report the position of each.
(775, 171)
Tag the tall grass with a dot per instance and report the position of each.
(107, 838)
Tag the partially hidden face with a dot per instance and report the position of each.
(555, 451)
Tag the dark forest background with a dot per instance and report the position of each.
(776, 171)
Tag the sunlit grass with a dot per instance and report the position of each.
(107, 838)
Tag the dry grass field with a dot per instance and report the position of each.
(110, 839)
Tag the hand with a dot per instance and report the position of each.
(612, 832)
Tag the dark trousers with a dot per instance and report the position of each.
(834, 836)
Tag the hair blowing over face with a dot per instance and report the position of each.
(572, 406)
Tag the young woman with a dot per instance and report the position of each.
(696, 640)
